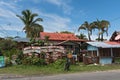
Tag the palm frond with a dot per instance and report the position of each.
(37, 20)
(21, 18)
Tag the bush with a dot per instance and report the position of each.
(32, 60)
(7, 61)
(10, 53)
(20, 58)
(59, 63)
(7, 44)
(117, 60)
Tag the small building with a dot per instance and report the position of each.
(68, 41)
(102, 52)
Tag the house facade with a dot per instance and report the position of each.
(69, 41)
(103, 52)
(56, 45)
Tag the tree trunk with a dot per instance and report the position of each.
(99, 36)
(89, 36)
(102, 37)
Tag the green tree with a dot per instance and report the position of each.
(68, 32)
(31, 26)
(7, 44)
(102, 27)
(82, 36)
(88, 27)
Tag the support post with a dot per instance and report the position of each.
(111, 52)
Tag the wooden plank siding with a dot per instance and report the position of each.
(116, 52)
(105, 52)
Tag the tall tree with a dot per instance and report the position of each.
(82, 36)
(88, 27)
(102, 27)
(31, 26)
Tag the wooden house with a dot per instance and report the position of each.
(102, 52)
(69, 41)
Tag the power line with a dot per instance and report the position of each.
(4, 31)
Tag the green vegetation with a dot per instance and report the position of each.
(88, 27)
(82, 36)
(101, 26)
(30, 60)
(31, 26)
(50, 69)
(8, 48)
(68, 32)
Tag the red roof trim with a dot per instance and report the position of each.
(113, 43)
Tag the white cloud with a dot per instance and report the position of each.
(11, 27)
(64, 4)
(53, 23)
(17, 0)
(7, 4)
(56, 2)
(7, 13)
(8, 16)
(6, 10)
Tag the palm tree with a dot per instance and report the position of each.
(102, 27)
(87, 26)
(82, 36)
(36, 31)
(30, 23)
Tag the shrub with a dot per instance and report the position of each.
(7, 44)
(59, 63)
(7, 61)
(117, 60)
(32, 60)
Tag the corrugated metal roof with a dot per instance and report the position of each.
(21, 39)
(103, 45)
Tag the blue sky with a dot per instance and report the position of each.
(59, 15)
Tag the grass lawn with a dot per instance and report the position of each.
(50, 70)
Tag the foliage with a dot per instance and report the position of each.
(31, 26)
(40, 42)
(88, 27)
(9, 53)
(82, 36)
(102, 27)
(31, 60)
(7, 44)
(117, 60)
(20, 57)
(59, 63)
(36, 42)
(8, 48)
(68, 32)
(46, 40)
(8, 61)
